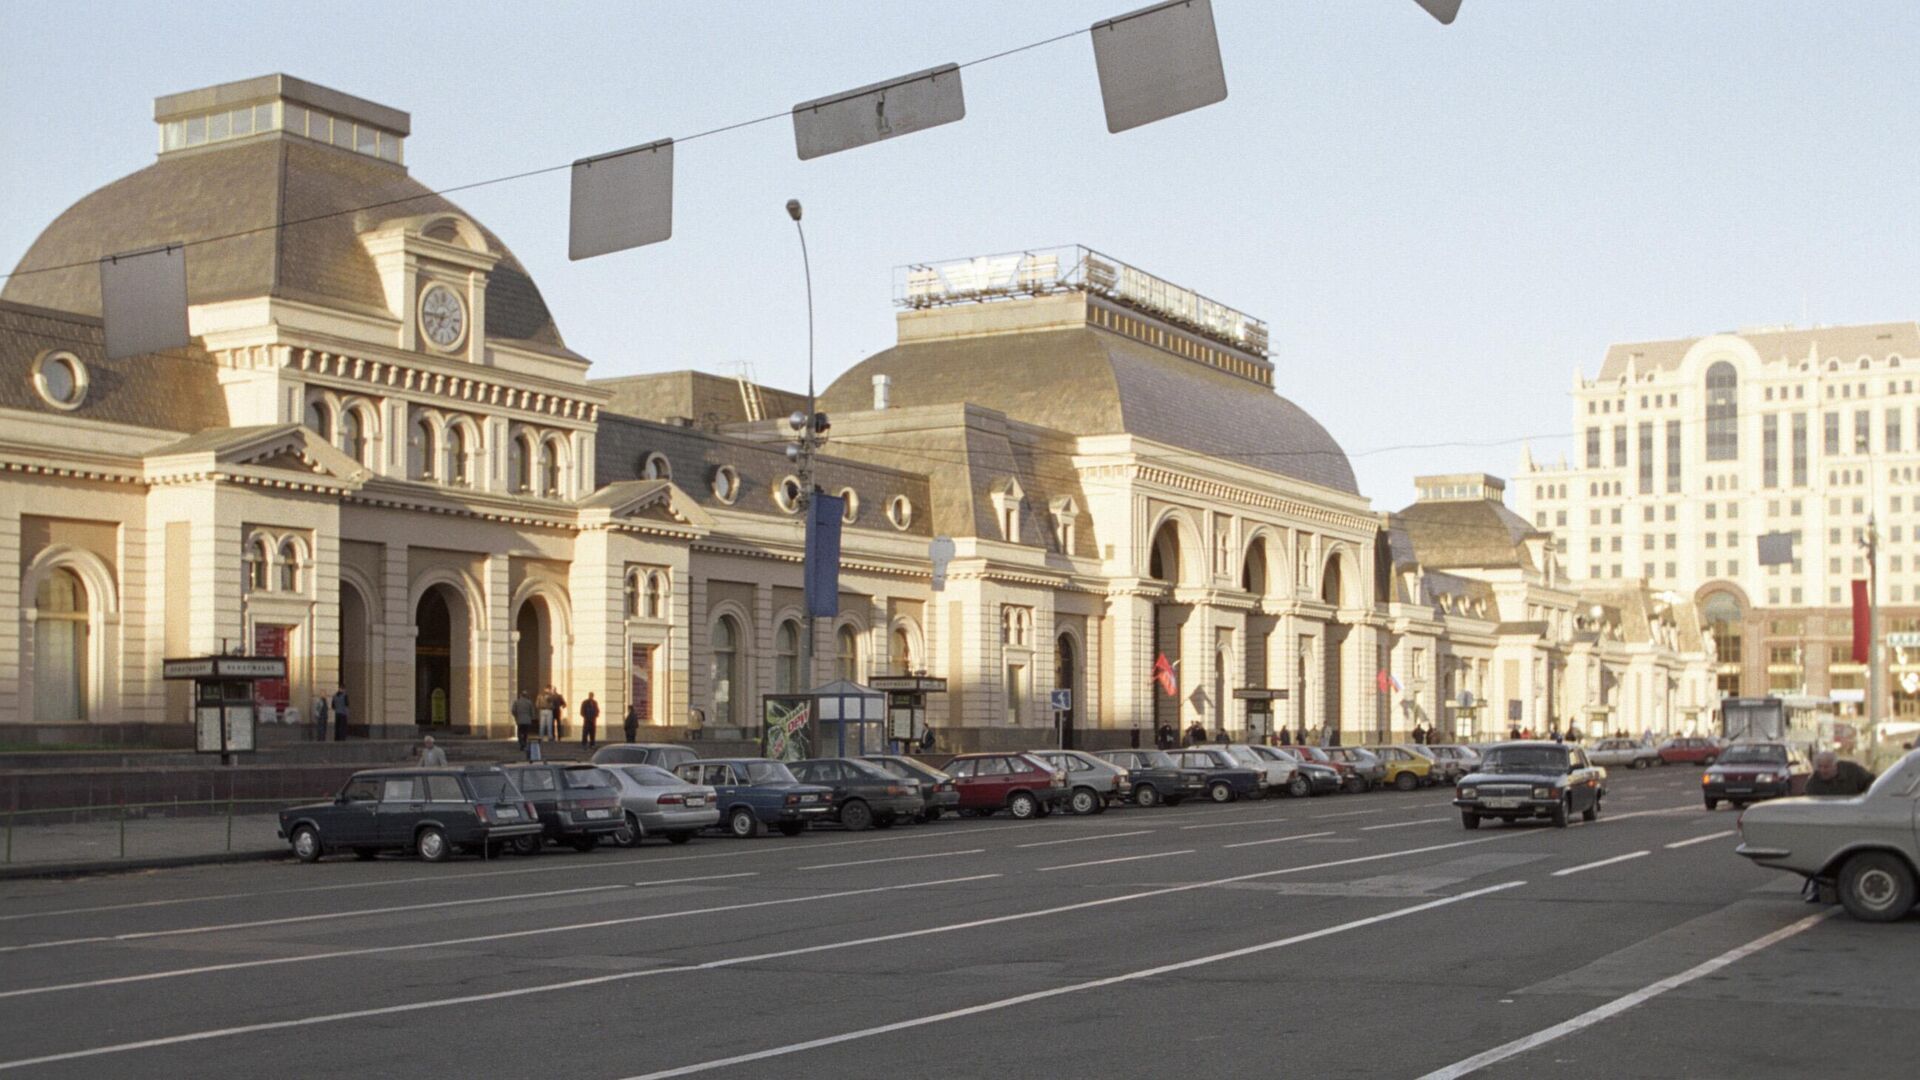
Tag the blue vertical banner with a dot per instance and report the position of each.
(823, 553)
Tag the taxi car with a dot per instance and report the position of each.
(1865, 848)
(1405, 769)
(1531, 779)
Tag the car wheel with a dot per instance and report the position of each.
(743, 823)
(1591, 813)
(1713, 804)
(1146, 795)
(1220, 791)
(1299, 787)
(857, 816)
(1876, 886)
(1356, 785)
(1561, 815)
(306, 844)
(1469, 819)
(792, 828)
(431, 845)
(1083, 801)
(1639, 763)
(1406, 781)
(584, 844)
(679, 837)
(526, 845)
(630, 834)
(1023, 806)
(366, 854)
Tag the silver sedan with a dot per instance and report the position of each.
(1864, 847)
(657, 803)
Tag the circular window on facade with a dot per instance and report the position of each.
(656, 467)
(61, 379)
(788, 493)
(900, 512)
(726, 484)
(851, 511)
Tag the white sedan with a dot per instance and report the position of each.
(1627, 752)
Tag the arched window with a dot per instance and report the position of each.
(846, 653)
(656, 596)
(422, 449)
(256, 565)
(455, 469)
(519, 474)
(353, 434)
(318, 419)
(901, 658)
(726, 667)
(550, 469)
(289, 566)
(786, 659)
(60, 648)
(1723, 412)
(633, 594)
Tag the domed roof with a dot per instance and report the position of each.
(1085, 380)
(248, 188)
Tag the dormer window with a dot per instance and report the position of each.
(1007, 497)
(1066, 517)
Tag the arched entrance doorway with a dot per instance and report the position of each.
(1332, 591)
(355, 653)
(433, 659)
(61, 640)
(1066, 665)
(533, 651)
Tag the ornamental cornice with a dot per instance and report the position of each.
(391, 375)
(1232, 493)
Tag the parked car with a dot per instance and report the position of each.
(1157, 777)
(1092, 783)
(1352, 777)
(1364, 764)
(1405, 769)
(1309, 777)
(666, 756)
(864, 794)
(1227, 778)
(1532, 779)
(578, 804)
(1465, 757)
(655, 802)
(1866, 848)
(1023, 786)
(1631, 753)
(1275, 776)
(757, 792)
(430, 812)
(1750, 772)
(1689, 751)
(1443, 770)
(936, 787)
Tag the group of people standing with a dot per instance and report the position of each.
(545, 716)
(340, 710)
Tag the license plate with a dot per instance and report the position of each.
(596, 813)
(1503, 804)
(809, 798)
(697, 801)
(508, 813)
(1739, 790)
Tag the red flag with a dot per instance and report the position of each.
(1163, 676)
(1383, 680)
(1862, 622)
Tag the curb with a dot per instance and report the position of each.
(120, 866)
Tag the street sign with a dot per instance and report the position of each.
(1061, 700)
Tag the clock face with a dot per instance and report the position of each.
(442, 316)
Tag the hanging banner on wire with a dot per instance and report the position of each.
(621, 200)
(143, 301)
(823, 553)
(885, 110)
(1158, 62)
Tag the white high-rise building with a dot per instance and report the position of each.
(1688, 451)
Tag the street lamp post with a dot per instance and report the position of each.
(805, 429)
(1876, 660)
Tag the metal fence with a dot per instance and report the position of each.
(141, 830)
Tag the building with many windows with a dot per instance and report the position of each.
(1688, 451)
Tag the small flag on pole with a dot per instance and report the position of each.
(1163, 676)
(1385, 681)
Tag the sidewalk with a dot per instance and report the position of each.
(30, 849)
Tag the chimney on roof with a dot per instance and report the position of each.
(882, 392)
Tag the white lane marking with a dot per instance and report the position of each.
(1084, 839)
(894, 858)
(358, 912)
(1584, 867)
(1123, 858)
(597, 980)
(1058, 991)
(1240, 821)
(1278, 839)
(1622, 1004)
(1404, 824)
(1698, 839)
(1350, 813)
(447, 942)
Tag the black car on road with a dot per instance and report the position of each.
(864, 794)
(1531, 779)
(936, 787)
(578, 804)
(430, 812)
(1157, 778)
(1227, 779)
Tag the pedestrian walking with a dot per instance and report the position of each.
(431, 756)
(630, 724)
(320, 712)
(589, 721)
(522, 710)
(543, 711)
(559, 715)
(1286, 737)
(341, 711)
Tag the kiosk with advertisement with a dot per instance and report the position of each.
(223, 698)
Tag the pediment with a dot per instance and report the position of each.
(289, 448)
(645, 501)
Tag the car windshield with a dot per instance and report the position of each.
(585, 777)
(868, 769)
(493, 786)
(651, 776)
(1754, 755)
(1525, 759)
(769, 772)
(1244, 755)
(1901, 778)
(1156, 759)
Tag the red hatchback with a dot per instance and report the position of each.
(1689, 751)
(1023, 786)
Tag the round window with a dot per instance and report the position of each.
(656, 467)
(61, 379)
(851, 511)
(900, 512)
(726, 484)
(787, 493)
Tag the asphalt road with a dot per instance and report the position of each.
(1337, 936)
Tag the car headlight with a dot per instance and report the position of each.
(1469, 793)
(1543, 793)
(1706, 778)
(1765, 778)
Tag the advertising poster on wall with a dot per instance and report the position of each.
(787, 734)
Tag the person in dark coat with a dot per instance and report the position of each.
(631, 723)
(1831, 776)
(1163, 735)
(1196, 734)
(1286, 737)
(523, 718)
(589, 721)
(559, 713)
(341, 711)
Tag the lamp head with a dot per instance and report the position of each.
(793, 209)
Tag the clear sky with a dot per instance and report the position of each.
(1440, 224)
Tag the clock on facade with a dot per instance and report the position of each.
(443, 318)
